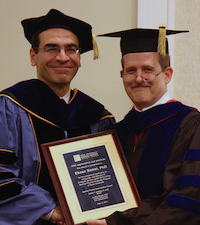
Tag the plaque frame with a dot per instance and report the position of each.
(62, 180)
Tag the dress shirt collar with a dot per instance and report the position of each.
(66, 97)
(164, 99)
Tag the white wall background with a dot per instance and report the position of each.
(186, 49)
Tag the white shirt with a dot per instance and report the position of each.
(165, 98)
(66, 97)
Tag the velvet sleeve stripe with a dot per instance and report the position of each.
(106, 114)
(187, 180)
(6, 175)
(192, 154)
(9, 189)
(184, 202)
(7, 157)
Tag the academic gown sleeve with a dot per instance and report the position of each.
(105, 123)
(22, 202)
(180, 201)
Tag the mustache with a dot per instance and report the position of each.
(135, 85)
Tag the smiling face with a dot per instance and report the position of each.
(56, 71)
(144, 94)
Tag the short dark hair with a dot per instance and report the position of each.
(35, 42)
(164, 61)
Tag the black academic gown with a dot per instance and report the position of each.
(162, 146)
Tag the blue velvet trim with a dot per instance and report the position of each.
(154, 156)
(192, 154)
(184, 202)
(164, 121)
(136, 121)
(187, 180)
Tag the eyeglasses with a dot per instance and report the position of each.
(146, 77)
(55, 50)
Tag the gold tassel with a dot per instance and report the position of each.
(162, 40)
(95, 47)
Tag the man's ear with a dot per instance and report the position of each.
(79, 60)
(121, 72)
(168, 74)
(33, 57)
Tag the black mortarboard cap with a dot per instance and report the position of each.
(144, 40)
(56, 19)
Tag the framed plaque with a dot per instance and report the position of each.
(91, 176)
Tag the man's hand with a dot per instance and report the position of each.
(96, 222)
(57, 216)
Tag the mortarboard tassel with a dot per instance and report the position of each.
(95, 47)
(162, 40)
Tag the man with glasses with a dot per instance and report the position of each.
(160, 136)
(41, 110)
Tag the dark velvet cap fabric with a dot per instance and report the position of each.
(56, 19)
(140, 40)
